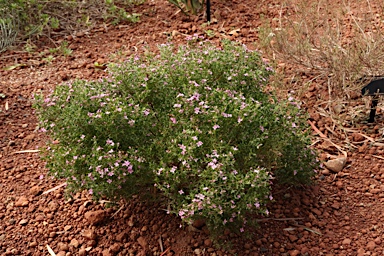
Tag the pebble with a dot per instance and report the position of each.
(371, 245)
(346, 241)
(199, 223)
(82, 252)
(22, 202)
(35, 190)
(208, 243)
(294, 252)
(95, 217)
(74, 243)
(336, 165)
(23, 222)
(293, 238)
(62, 246)
(67, 227)
(89, 234)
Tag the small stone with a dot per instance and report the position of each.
(143, 243)
(316, 211)
(89, 234)
(67, 228)
(208, 242)
(95, 217)
(378, 241)
(371, 245)
(336, 165)
(360, 252)
(357, 137)
(346, 241)
(106, 252)
(294, 252)
(74, 243)
(121, 236)
(22, 202)
(33, 244)
(197, 251)
(62, 246)
(115, 248)
(82, 252)
(145, 228)
(35, 191)
(23, 222)
(155, 227)
(61, 253)
(53, 206)
(199, 223)
(293, 238)
(30, 136)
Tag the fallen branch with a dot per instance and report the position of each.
(26, 151)
(51, 251)
(165, 252)
(322, 135)
(55, 188)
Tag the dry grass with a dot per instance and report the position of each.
(336, 46)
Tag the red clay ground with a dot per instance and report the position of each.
(341, 215)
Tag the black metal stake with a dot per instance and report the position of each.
(375, 101)
(374, 89)
(208, 11)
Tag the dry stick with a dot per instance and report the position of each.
(55, 188)
(281, 219)
(165, 252)
(317, 130)
(308, 229)
(355, 131)
(161, 244)
(322, 135)
(380, 157)
(118, 211)
(26, 151)
(51, 251)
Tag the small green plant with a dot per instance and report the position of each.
(195, 122)
(189, 6)
(30, 19)
(210, 33)
(49, 59)
(64, 48)
(119, 14)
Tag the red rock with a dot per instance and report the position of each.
(346, 241)
(95, 217)
(294, 252)
(199, 223)
(89, 234)
(22, 201)
(371, 245)
(293, 238)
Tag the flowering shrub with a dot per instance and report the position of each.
(195, 122)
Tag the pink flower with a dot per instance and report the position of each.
(215, 127)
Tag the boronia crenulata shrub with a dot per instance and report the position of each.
(195, 122)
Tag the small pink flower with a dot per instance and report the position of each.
(215, 127)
